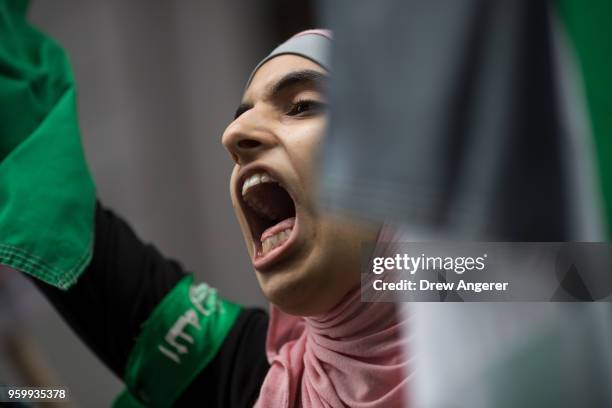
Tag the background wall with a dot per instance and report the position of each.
(158, 82)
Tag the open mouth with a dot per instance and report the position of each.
(270, 212)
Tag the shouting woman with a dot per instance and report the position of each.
(178, 343)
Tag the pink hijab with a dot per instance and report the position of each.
(353, 356)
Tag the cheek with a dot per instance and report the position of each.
(305, 148)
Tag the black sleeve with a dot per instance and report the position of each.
(234, 377)
(124, 282)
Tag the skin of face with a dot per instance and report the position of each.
(283, 131)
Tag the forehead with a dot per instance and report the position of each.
(275, 69)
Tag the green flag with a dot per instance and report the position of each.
(47, 195)
(589, 31)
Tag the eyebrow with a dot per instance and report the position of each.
(306, 76)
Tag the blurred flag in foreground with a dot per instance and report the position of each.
(481, 119)
(484, 120)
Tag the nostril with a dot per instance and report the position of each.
(248, 144)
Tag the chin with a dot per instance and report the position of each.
(306, 287)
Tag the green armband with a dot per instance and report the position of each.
(182, 335)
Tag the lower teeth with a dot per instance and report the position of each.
(275, 241)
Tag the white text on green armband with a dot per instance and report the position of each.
(182, 335)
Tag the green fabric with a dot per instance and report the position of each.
(182, 335)
(47, 196)
(589, 26)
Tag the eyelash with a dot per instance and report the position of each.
(306, 108)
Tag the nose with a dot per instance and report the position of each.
(248, 136)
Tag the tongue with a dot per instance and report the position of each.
(275, 229)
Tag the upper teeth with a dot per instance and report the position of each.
(256, 179)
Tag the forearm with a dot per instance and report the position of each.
(123, 283)
(123, 289)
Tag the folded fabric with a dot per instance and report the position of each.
(352, 356)
(47, 195)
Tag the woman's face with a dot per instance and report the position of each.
(305, 261)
